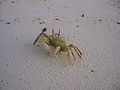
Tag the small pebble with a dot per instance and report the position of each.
(118, 22)
(26, 56)
(16, 38)
(92, 70)
(13, 2)
(40, 22)
(57, 19)
(7, 22)
(100, 20)
(48, 7)
(20, 78)
(77, 26)
(6, 64)
(83, 15)
(118, 7)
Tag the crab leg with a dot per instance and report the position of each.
(76, 49)
(36, 39)
(57, 50)
(72, 53)
(68, 54)
(45, 45)
(42, 33)
(53, 34)
(39, 37)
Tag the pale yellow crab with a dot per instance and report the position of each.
(55, 41)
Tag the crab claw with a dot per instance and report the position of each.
(44, 29)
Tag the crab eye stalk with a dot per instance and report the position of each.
(59, 34)
(44, 29)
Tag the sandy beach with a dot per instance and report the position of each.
(92, 25)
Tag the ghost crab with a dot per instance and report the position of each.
(55, 41)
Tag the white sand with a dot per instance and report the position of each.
(97, 34)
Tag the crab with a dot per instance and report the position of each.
(58, 43)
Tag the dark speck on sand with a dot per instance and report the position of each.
(7, 22)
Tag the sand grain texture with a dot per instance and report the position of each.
(92, 25)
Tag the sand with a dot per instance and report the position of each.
(92, 25)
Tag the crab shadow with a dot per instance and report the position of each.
(34, 53)
(38, 53)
